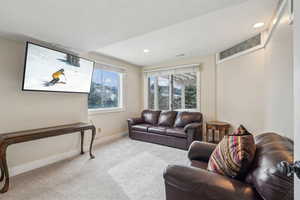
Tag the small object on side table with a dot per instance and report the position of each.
(213, 127)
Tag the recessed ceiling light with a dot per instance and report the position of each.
(258, 25)
(146, 50)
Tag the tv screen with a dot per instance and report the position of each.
(55, 71)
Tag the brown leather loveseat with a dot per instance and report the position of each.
(170, 128)
(264, 181)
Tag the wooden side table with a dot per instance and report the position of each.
(213, 127)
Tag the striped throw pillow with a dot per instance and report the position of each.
(234, 154)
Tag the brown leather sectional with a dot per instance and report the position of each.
(170, 128)
(264, 181)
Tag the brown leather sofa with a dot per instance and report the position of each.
(170, 128)
(262, 182)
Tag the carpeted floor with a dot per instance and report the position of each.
(123, 170)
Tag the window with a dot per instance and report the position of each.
(185, 91)
(106, 90)
(173, 91)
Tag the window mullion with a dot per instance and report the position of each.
(102, 88)
(156, 93)
(171, 92)
(198, 91)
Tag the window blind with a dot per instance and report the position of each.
(108, 67)
(173, 70)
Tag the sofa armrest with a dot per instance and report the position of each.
(193, 132)
(192, 126)
(201, 151)
(134, 121)
(191, 183)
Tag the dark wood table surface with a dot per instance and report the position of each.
(7, 139)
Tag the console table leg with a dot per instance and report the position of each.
(213, 135)
(2, 171)
(82, 141)
(4, 168)
(92, 141)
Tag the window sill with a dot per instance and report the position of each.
(92, 112)
(188, 110)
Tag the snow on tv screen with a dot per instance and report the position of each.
(54, 71)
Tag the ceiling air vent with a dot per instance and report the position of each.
(180, 55)
(242, 48)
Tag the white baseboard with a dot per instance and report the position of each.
(53, 159)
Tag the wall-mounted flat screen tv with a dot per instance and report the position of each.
(54, 71)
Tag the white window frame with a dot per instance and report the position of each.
(121, 107)
(198, 95)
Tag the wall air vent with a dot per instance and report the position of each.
(247, 46)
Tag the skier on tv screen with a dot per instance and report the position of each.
(57, 76)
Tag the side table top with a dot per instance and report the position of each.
(217, 123)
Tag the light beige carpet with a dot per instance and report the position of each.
(123, 170)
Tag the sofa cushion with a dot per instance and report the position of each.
(263, 175)
(141, 127)
(184, 118)
(157, 129)
(176, 132)
(167, 118)
(150, 116)
(233, 155)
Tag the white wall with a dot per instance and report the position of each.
(208, 82)
(240, 91)
(279, 79)
(29, 110)
(256, 89)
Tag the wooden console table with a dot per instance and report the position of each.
(29, 135)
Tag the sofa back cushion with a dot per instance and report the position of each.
(151, 116)
(167, 118)
(184, 118)
(263, 175)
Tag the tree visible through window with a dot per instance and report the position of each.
(105, 90)
(172, 92)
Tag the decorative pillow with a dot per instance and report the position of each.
(234, 154)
